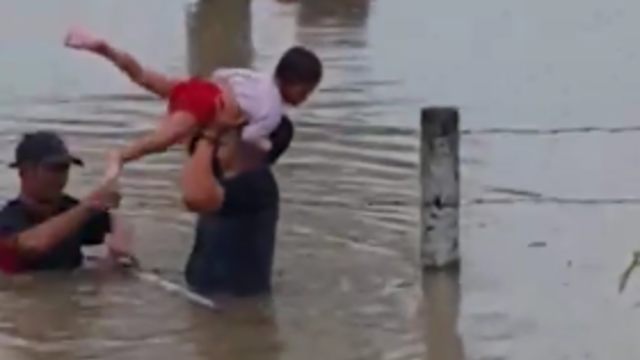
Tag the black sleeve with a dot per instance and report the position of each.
(280, 139)
(249, 192)
(95, 229)
(10, 223)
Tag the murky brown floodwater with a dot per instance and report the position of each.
(549, 218)
(347, 281)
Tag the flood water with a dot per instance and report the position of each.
(548, 93)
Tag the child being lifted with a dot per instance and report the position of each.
(230, 98)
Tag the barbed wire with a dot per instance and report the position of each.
(551, 131)
(551, 200)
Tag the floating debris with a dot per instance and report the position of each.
(538, 244)
(624, 278)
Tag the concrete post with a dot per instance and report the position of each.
(440, 180)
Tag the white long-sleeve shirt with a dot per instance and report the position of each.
(259, 99)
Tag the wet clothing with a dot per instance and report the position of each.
(67, 255)
(233, 250)
(234, 246)
(258, 96)
(197, 97)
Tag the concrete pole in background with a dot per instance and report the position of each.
(440, 180)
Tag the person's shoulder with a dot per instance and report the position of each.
(258, 182)
(12, 214)
(11, 207)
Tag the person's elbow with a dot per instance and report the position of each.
(201, 203)
(35, 244)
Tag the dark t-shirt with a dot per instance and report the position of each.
(67, 255)
(233, 250)
(234, 247)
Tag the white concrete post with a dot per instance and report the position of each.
(440, 180)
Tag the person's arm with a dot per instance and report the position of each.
(248, 188)
(153, 81)
(18, 248)
(42, 237)
(201, 191)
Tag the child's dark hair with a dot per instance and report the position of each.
(299, 65)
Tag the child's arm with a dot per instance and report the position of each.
(155, 82)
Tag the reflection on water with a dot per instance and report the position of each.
(78, 316)
(33, 304)
(244, 329)
(442, 307)
(219, 35)
(335, 14)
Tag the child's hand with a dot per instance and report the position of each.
(82, 40)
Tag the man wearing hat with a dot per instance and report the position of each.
(44, 228)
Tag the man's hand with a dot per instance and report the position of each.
(104, 198)
(48, 234)
(107, 196)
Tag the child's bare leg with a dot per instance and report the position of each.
(82, 40)
(170, 131)
(157, 83)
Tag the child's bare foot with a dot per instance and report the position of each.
(82, 40)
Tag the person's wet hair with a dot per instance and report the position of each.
(299, 65)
